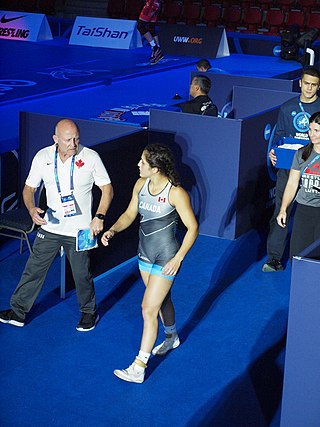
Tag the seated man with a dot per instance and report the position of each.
(201, 103)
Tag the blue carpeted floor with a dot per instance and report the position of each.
(227, 372)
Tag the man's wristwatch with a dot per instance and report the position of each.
(99, 216)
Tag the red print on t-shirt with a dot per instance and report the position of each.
(79, 163)
(314, 169)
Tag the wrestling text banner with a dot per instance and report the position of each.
(22, 26)
(103, 32)
(196, 41)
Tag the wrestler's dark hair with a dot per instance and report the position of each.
(161, 157)
(203, 63)
(204, 83)
(307, 150)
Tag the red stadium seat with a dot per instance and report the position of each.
(212, 15)
(247, 3)
(232, 17)
(209, 2)
(306, 5)
(171, 12)
(286, 4)
(313, 21)
(295, 17)
(133, 8)
(274, 21)
(47, 7)
(252, 19)
(265, 4)
(116, 8)
(10, 5)
(29, 5)
(191, 14)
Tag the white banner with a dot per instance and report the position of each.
(27, 27)
(103, 32)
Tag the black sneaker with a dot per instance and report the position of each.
(153, 51)
(272, 265)
(87, 322)
(9, 316)
(157, 56)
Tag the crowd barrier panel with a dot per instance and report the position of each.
(301, 393)
(222, 86)
(224, 166)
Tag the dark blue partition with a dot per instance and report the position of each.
(208, 172)
(224, 167)
(222, 86)
(259, 100)
(301, 391)
(36, 132)
(8, 180)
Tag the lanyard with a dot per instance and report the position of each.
(303, 110)
(56, 172)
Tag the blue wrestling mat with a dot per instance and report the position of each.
(56, 68)
(256, 66)
(30, 70)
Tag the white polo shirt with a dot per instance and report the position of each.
(88, 170)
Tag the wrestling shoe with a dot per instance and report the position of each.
(157, 55)
(272, 265)
(154, 51)
(9, 316)
(152, 54)
(168, 344)
(87, 322)
(133, 374)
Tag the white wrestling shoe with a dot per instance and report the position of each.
(168, 344)
(133, 374)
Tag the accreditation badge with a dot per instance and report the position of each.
(68, 205)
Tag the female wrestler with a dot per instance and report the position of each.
(305, 168)
(158, 197)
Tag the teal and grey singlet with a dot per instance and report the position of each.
(157, 232)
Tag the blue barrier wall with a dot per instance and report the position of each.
(224, 167)
(301, 392)
(222, 86)
(259, 100)
(36, 132)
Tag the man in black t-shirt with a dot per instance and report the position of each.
(201, 103)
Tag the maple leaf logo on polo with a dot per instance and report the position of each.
(79, 163)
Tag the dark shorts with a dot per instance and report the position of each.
(155, 251)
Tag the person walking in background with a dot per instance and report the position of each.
(68, 171)
(203, 65)
(293, 121)
(305, 169)
(146, 26)
(159, 199)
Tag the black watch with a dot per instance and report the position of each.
(100, 216)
